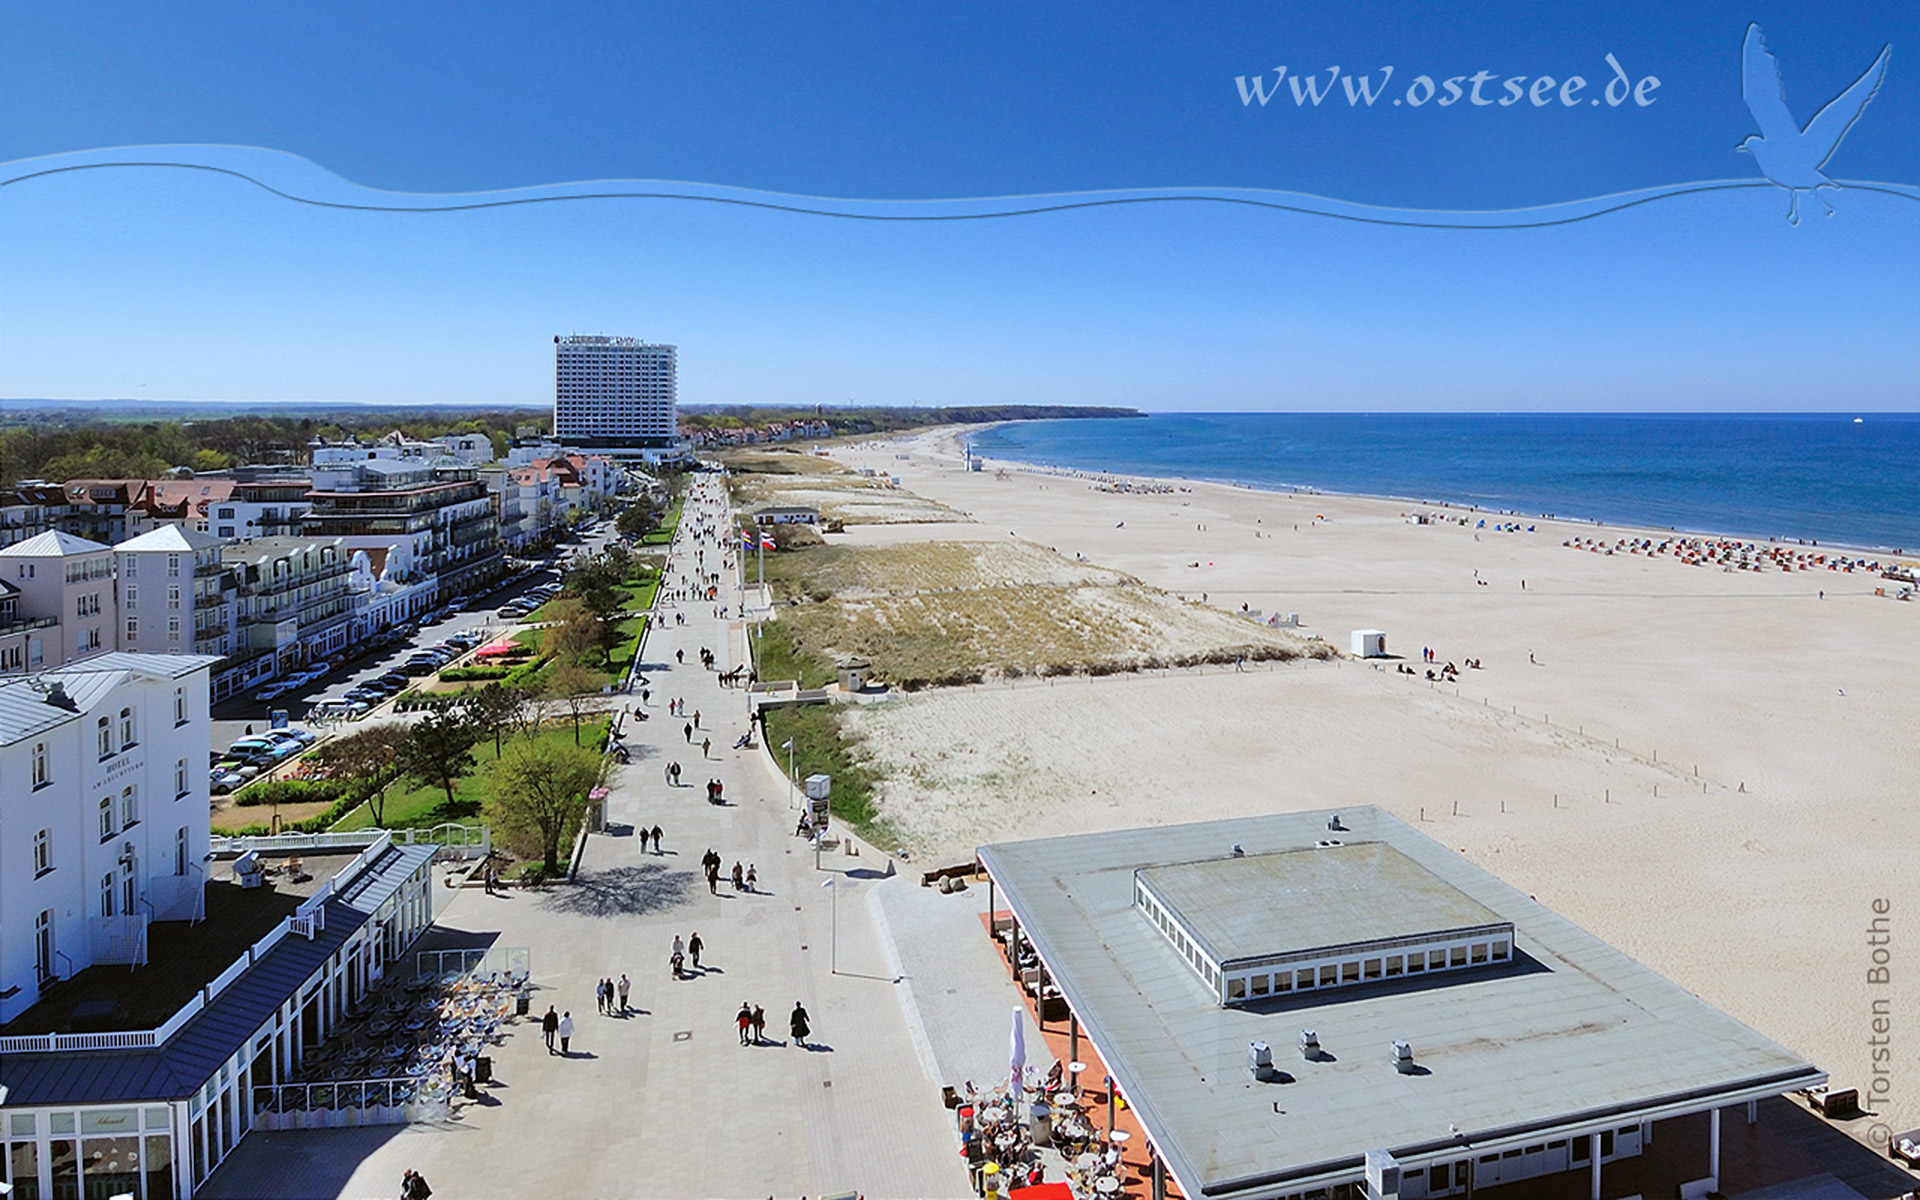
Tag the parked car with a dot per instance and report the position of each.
(395, 678)
(420, 666)
(223, 782)
(299, 735)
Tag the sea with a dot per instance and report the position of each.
(1844, 480)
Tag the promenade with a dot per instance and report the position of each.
(663, 1101)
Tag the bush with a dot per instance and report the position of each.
(473, 674)
(291, 791)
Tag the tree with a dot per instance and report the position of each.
(638, 519)
(575, 685)
(495, 710)
(439, 750)
(369, 756)
(536, 794)
(572, 631)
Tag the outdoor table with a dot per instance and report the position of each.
(1107, 1185)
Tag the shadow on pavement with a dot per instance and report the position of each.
(624, 891)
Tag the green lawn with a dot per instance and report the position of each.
(775, 658)
(820, 747)
(664, 535)
(410, 807)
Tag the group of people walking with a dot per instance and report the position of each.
(751, 1021)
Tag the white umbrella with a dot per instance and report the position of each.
(1019, 1067)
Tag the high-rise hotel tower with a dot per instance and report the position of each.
(614, 392)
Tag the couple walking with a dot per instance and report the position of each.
(752, 1023)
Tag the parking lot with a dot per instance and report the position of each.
(478, 619)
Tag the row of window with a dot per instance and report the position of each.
(40, 769)
(1359, 970)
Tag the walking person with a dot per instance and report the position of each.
(759, 1024)
(706, 747)
(413, 1186)
(550, 1025)
(753, 879)
(689, 732)
(713, 879)
(566, 1033)
(797, 1025)
(743, 1020)
(656, 839)
(624, 988)
(600, 996)
(694, 946)
(739, 880)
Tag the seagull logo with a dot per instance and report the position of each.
(1789, 156)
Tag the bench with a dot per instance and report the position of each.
(1837, 1104)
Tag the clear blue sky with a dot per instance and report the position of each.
(171, 286)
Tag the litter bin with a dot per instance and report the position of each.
(523, 1004)
(483, 1069)
(1042, 1123)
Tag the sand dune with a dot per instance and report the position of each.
(1757, 899)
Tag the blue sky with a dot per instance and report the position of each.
(170, 286)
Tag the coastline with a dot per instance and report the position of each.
(1704, 767)
(1857, 547)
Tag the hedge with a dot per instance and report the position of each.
(291, 791)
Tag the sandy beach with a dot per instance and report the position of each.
(1707, 768)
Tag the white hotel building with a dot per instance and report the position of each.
(104, 828)
(616, 394)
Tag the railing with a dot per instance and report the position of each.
(355, 1102)
(514, 963)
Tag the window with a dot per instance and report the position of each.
(104, 728)
(133, 566)
(43, 946)
(173, 627)
(40, 777)
(126, 728)
(173, 595)
(1437, 959)
(129, 806)
(1237, 989)
(180, 851)
(1305, 979)
(1479, 952)
(107, 827)
(1393, 965)
(179, 706)
(42, 852)
(1416, 962)
(1260, 985)
(127, 864)
(1283, 982)
(1500, 951)
(173, 566)
(180, 779)
(225, 514)
(133, 629)
(133, 595)
(106, 894)
(1329, 976)
(1350, 972)
(1459, 956)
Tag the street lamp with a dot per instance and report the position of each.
(834, 927)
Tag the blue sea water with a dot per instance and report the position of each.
(1811, 476)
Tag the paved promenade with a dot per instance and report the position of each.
(664, 1101)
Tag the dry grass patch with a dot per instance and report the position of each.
(786, 477)
(943, 613)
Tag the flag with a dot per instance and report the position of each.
(746, 539)
(766, 542)
(787, 745)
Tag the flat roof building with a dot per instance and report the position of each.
(1416, 1010)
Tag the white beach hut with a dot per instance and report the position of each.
(1369, 643)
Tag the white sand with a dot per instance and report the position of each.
(1758, 901)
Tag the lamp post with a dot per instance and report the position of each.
(834, 923)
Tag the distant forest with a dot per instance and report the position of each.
(56, 441)
(58, 444)
(882, 418)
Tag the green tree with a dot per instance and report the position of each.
(439, 750)
(536, 793)
(370, 758)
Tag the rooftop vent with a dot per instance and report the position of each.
(1310, 1045)
(1333, 823)
(1260, 1062)
(57, 696)
(1237, 851)
(1400, 1054)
